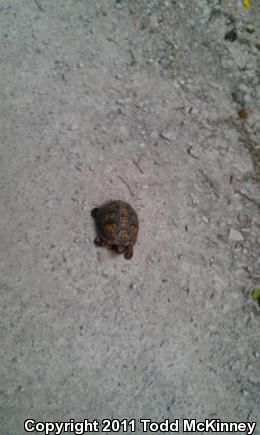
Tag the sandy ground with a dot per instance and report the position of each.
(137, 101)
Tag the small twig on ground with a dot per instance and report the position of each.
(127, 185)
(39, 5)
(232, 179)
(210, 182)
(137, 165)
(248, 198)
(112, 40)
(133, 60)
(99, 257)
(190, 152)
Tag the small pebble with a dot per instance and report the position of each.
(154, 134)
(154, 22)
(211, 261)
(243, 88)
(169, 135)
(247, 98)
(73, 127)
(194, 111)
(235, 235)
(120, 102)
(192, 152)
(149, 259)
(133, 286)
(244, 393)
(249, 28)
(205, 219)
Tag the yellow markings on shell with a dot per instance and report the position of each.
(123, 221)
(123, 211)
(106, 216)
(123, 234)
(110, 214)
(134, 230)
(110, 228)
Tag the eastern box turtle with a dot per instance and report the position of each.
(117, 227)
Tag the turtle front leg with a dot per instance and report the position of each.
(109, 244)
(129, 252)
(99, 242)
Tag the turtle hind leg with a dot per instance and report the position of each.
(94, 212)
(99, 242)
(129, 253)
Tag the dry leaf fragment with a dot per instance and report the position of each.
(247, 4)
(244, 113)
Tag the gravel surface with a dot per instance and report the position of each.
(155, 103)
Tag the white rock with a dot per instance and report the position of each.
(169, 135)
(154, 21)
(73, 127)
(243, 88)
(194, 111)
(235, 235)
(248, 98)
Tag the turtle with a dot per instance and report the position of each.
(117, 227)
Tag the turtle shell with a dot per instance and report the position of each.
(117, 222)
